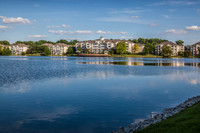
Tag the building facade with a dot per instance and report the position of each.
(58, 48)
(194, 49)
(174, 47)
(102, 45)
(17, 49)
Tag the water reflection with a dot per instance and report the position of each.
(41, 94)
(130, 63)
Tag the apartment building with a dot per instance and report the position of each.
(174, 47)
(194, 49)
(17, 49)
(58, 48)
(102, 45)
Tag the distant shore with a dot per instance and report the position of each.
(107, 55)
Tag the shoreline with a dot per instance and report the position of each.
(166, 113)
(103, 55)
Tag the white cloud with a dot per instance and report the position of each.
(37, 36)
(61, 32)
(17, 20)
(109, 32)
(126, 37)
(59, 26)
(153, 25)
(36, 5)
(176, 2)
(196, 28)
(4, 27)
(127, 11)
(173, 31)
(134, 16)
(165, 16)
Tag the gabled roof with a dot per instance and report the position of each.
(105, 41)
(19, 45)
(47, 44)
(61, 45)
(140, 45)
(2, 45)
(167, 43)
(198, 43)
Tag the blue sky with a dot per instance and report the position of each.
(89, 19)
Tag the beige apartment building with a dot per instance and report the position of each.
(58, 48)
(17, 49)
(102, 45)
(194, 49)
(174, 47)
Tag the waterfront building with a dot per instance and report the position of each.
(174, 47)
(58, 48)
(17, 49)
(194, 49)
(2, 46)
(102, 45)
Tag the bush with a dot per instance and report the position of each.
(23, 53)
(47, 51)
(180, 53)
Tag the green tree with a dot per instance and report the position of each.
(136, 48)
(6, 51)
(149, 49)
(180, 53)
(72, 42)
(70, 50)
(79, 48)
(179, 42)
(5, 42)
(40, 42)
(86, 50)
(121, 48)
(166, 51)
(23, 53)
(199, 51)
(62, 41)
(47, 51)
(1, 48)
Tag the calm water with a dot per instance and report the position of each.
(89, 95)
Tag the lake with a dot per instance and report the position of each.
(88, 94)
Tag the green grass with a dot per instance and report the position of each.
(187, 121)
(137, 56)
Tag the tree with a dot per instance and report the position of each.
(40, 42)
(5, 42)
(121, 48)
(199, 51)
(180, 53)
(47, 51)
(86, 50)
(23, 53)
(166, 51)
(70, 50)
(1, 48)
(136, 48)
(179, 42)
(79, 48)
(62, 41)
(6, 51)
(149, 49)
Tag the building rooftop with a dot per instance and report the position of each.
(47, 44)
(19, 45)
(167, 43)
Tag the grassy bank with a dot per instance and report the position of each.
(137, 56)
(187, 121)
